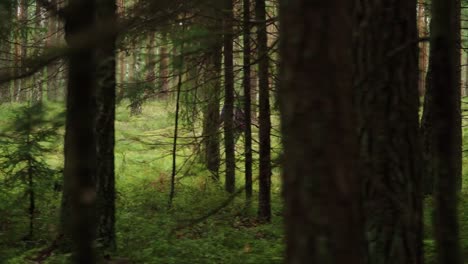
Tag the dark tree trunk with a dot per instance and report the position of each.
(211, 116)
(388, 105)
(212, 90)
(229, 145)
(247, 99)
(79, 200)
(5, 93)
(264, 204)
(321, 183)
(446, 127)
(105, 131)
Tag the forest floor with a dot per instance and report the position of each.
(204, 224)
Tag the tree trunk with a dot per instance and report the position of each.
(105, 131)
(5, 93)
(22, 95)
(321, 183)
(79, 198)
(247, 100)
(212, 93)
(36, 93)
(52, 68)
(230, 182)
(150, 60)
(422, 30)
(388, 105)
(446, 127)
(164, 69)
(264, 204)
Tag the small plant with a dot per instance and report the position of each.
(26, 141)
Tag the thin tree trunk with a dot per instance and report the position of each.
(247, 100)
(150, 60)
(52, 68)
(264, 203)
(388, 105)
(23, 90)
(105, 131)
(422, 30)
(230, 181)
(176, 130)
(320, 176)
(164, 69)
(122, 55)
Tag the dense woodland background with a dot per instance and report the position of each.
(233, 131)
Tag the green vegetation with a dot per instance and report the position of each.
(147, 232)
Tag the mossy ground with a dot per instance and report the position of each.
(147, 231)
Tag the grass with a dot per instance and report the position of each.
(147, 231)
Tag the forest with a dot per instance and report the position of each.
(233, 131)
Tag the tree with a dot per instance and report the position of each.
(29, 137)
(445, 125)
(247, 98)
(79, 197)
(388, 103)
(6, 11)
(212, 90)
(264, 204)
(105, 131)
(52, 68)
(229, 144)
(320, 177)
(422, 31)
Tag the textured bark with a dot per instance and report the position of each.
(230, 181)
(264, 204)
(446, 128)
(321, 183)
(79, 197)
(105, 131)
(247, 99)
(388, 105)
(423, 56)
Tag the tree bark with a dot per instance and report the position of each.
(388, 104)
(229, 144)
(264, 203)
(446, 128)
(52, 68)
(422, 30)
(105, 131)
(212, 92)
(320, 178)
(247, 99)
(79, 197)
